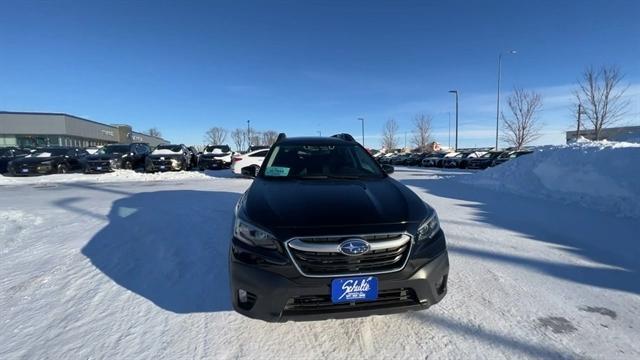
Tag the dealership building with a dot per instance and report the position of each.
(625, 133)
(31, 129)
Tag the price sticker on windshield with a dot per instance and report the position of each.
(277, 171)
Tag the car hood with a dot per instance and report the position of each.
(212, 155)
(166, 156)
(331, 203)
(104, 157)
(35, 160)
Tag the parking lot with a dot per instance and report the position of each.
(129, 265)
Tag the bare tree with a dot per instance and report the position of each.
(269, 137)
(422, 131)
(254, 138)
(154, 132)
(215, 135)
(389, 133)
(239, 137)
(600, 94)
(523, 127)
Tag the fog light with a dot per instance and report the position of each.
(242, 296)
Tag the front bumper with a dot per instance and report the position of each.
(154, 165)
(212, 163)
(101, 166)
(32, 170)
(277, 296)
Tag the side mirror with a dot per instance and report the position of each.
(250, 171)
(387, 169)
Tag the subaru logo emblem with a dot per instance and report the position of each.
(354, 247)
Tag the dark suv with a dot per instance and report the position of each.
(118, 156)
(324, 232)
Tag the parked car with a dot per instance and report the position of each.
(433, 159)
(400, 159)
(484, 161)
(506, 156)
(168, 157)
(460, 160)
(50, 160)
(350, 241)
(118, 156)
(252, 158)
(415, 159)
(215, 157)
(8, 154)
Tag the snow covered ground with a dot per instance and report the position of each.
(126, 265)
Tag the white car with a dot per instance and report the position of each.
(251, 158)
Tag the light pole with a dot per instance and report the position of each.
(319, 133)
(512, 52)
(248, 134)
(449, 144)
(456, 92)
(362, 120)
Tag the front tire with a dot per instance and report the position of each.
(62, 169)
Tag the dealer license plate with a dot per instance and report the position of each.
(354, 289)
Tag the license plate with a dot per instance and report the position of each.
(161, 167)
(98, 167)
(354, 289)
(25, 170)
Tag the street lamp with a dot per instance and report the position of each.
(512, 52)
(362, 120)
(248, 134)
(456, 92)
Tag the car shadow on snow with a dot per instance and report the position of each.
(169, 247)
(597, 236)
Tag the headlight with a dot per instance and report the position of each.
(429, 227)
(253, 236)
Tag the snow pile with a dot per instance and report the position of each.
(116, 176)
(601, 175)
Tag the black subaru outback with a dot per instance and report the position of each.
(324, 232)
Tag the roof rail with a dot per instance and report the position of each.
(281, 137)
(344, 136)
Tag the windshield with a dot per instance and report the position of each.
(114, 149)
(173, 148)
(489, 155)
(217, 149)
(320, 161)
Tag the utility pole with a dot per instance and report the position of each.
(362, 120)
(456, 93)
(248, 134)
(449, 144)
(405, 139)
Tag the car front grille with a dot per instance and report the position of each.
(310, 304)
(161, 162)
(103, 164)
(319, 256)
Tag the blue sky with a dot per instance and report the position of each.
(308, 66)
